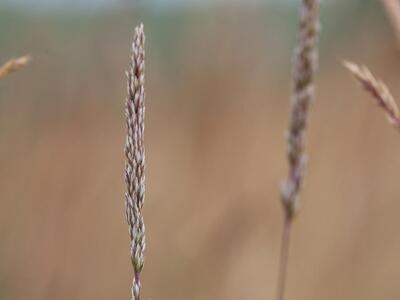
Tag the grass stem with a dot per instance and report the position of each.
(284, 256)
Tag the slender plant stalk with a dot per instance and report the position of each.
(304, 68)
(392, 8)
(135, 158)
(13, 65)
(378, 91)
(287, 224)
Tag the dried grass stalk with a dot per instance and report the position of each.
(378, 90)
(392, 8)
(13, 65)
(135, 157)
(304, 68)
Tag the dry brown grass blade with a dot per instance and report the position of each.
(378, 91)
(13, 65)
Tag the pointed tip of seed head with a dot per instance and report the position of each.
(377, 89)
(139, 36)
(354, 69)
(361, 73)
(13, 65)
(139, 30)
(22, 61)
(350, 65)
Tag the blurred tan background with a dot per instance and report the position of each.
(218, 81)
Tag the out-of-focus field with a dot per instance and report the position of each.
(217, 103)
